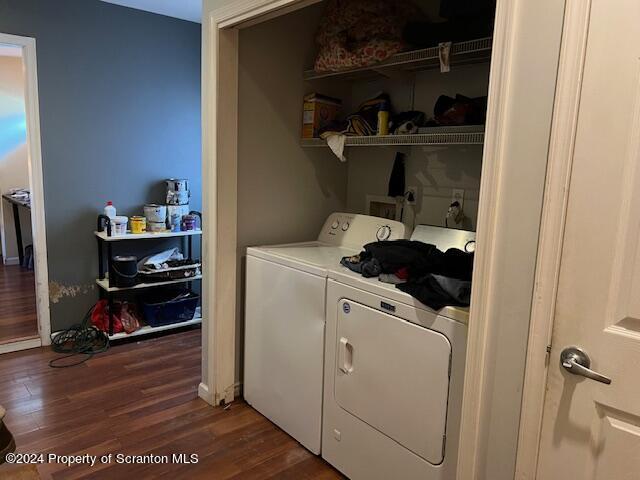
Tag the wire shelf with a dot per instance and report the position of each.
(471, 51)
(431, 136)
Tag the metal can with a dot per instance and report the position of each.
(138, 224)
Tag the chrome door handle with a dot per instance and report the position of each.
(574, 360)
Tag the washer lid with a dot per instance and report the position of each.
(312, 257)
(394, 376)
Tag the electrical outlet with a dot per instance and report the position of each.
(457, 195)
(413, 191)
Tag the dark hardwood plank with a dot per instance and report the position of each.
(18, 319)
(141, 398)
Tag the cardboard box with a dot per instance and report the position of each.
(318, 112)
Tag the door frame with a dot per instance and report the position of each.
(559, 168)
(219, 127)
(36, 180)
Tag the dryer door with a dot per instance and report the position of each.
(394, 376)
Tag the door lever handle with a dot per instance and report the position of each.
(576, 361)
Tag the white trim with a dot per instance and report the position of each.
(507, 236)
(480, 322)
(219, 173)
(28, 46)
(219, 170)
(20, 345)
(561, 149)
(205, 394)
(255, 11)
(11, 260)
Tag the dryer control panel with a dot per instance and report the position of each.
(445, 238)
(354, 230)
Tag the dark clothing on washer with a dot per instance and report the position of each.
(437, 291)
(434, 277)
(417, 257)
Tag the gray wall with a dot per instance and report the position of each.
(119, 94)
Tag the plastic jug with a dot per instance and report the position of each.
(110, 210)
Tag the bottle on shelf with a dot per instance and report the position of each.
(383, 119)
(110, 210)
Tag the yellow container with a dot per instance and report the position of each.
(138, 224)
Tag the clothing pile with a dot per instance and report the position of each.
(361, 33)
(447, 111)
(461, 110)
(433, 277)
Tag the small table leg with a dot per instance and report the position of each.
(110, 303)
(100, 260)
(16, 222)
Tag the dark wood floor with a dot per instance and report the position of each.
(18, 318)
(137, 399)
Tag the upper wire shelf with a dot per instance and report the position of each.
(470, 51)
(459, 135)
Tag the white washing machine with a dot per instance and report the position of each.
(393, 376)
(285, 321)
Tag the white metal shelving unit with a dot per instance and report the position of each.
(104, 284)
(147, 330)
(108, 291)
(145, 236)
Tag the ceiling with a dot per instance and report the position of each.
(185, 9)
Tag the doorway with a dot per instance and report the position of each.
(24, 298)
(513, 169)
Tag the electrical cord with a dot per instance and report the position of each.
(79, 339)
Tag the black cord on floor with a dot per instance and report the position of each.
(80, 339)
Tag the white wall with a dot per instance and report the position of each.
(14, 170)
(285, 192)
(435, 171)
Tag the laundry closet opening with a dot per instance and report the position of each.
(287, 186)
(335, 153)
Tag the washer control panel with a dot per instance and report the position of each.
(354, 230)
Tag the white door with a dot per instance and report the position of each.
(591, 429)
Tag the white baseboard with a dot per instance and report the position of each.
(11, 261)
(205, 394)
(20, 345)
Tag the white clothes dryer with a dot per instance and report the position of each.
(394, 374)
